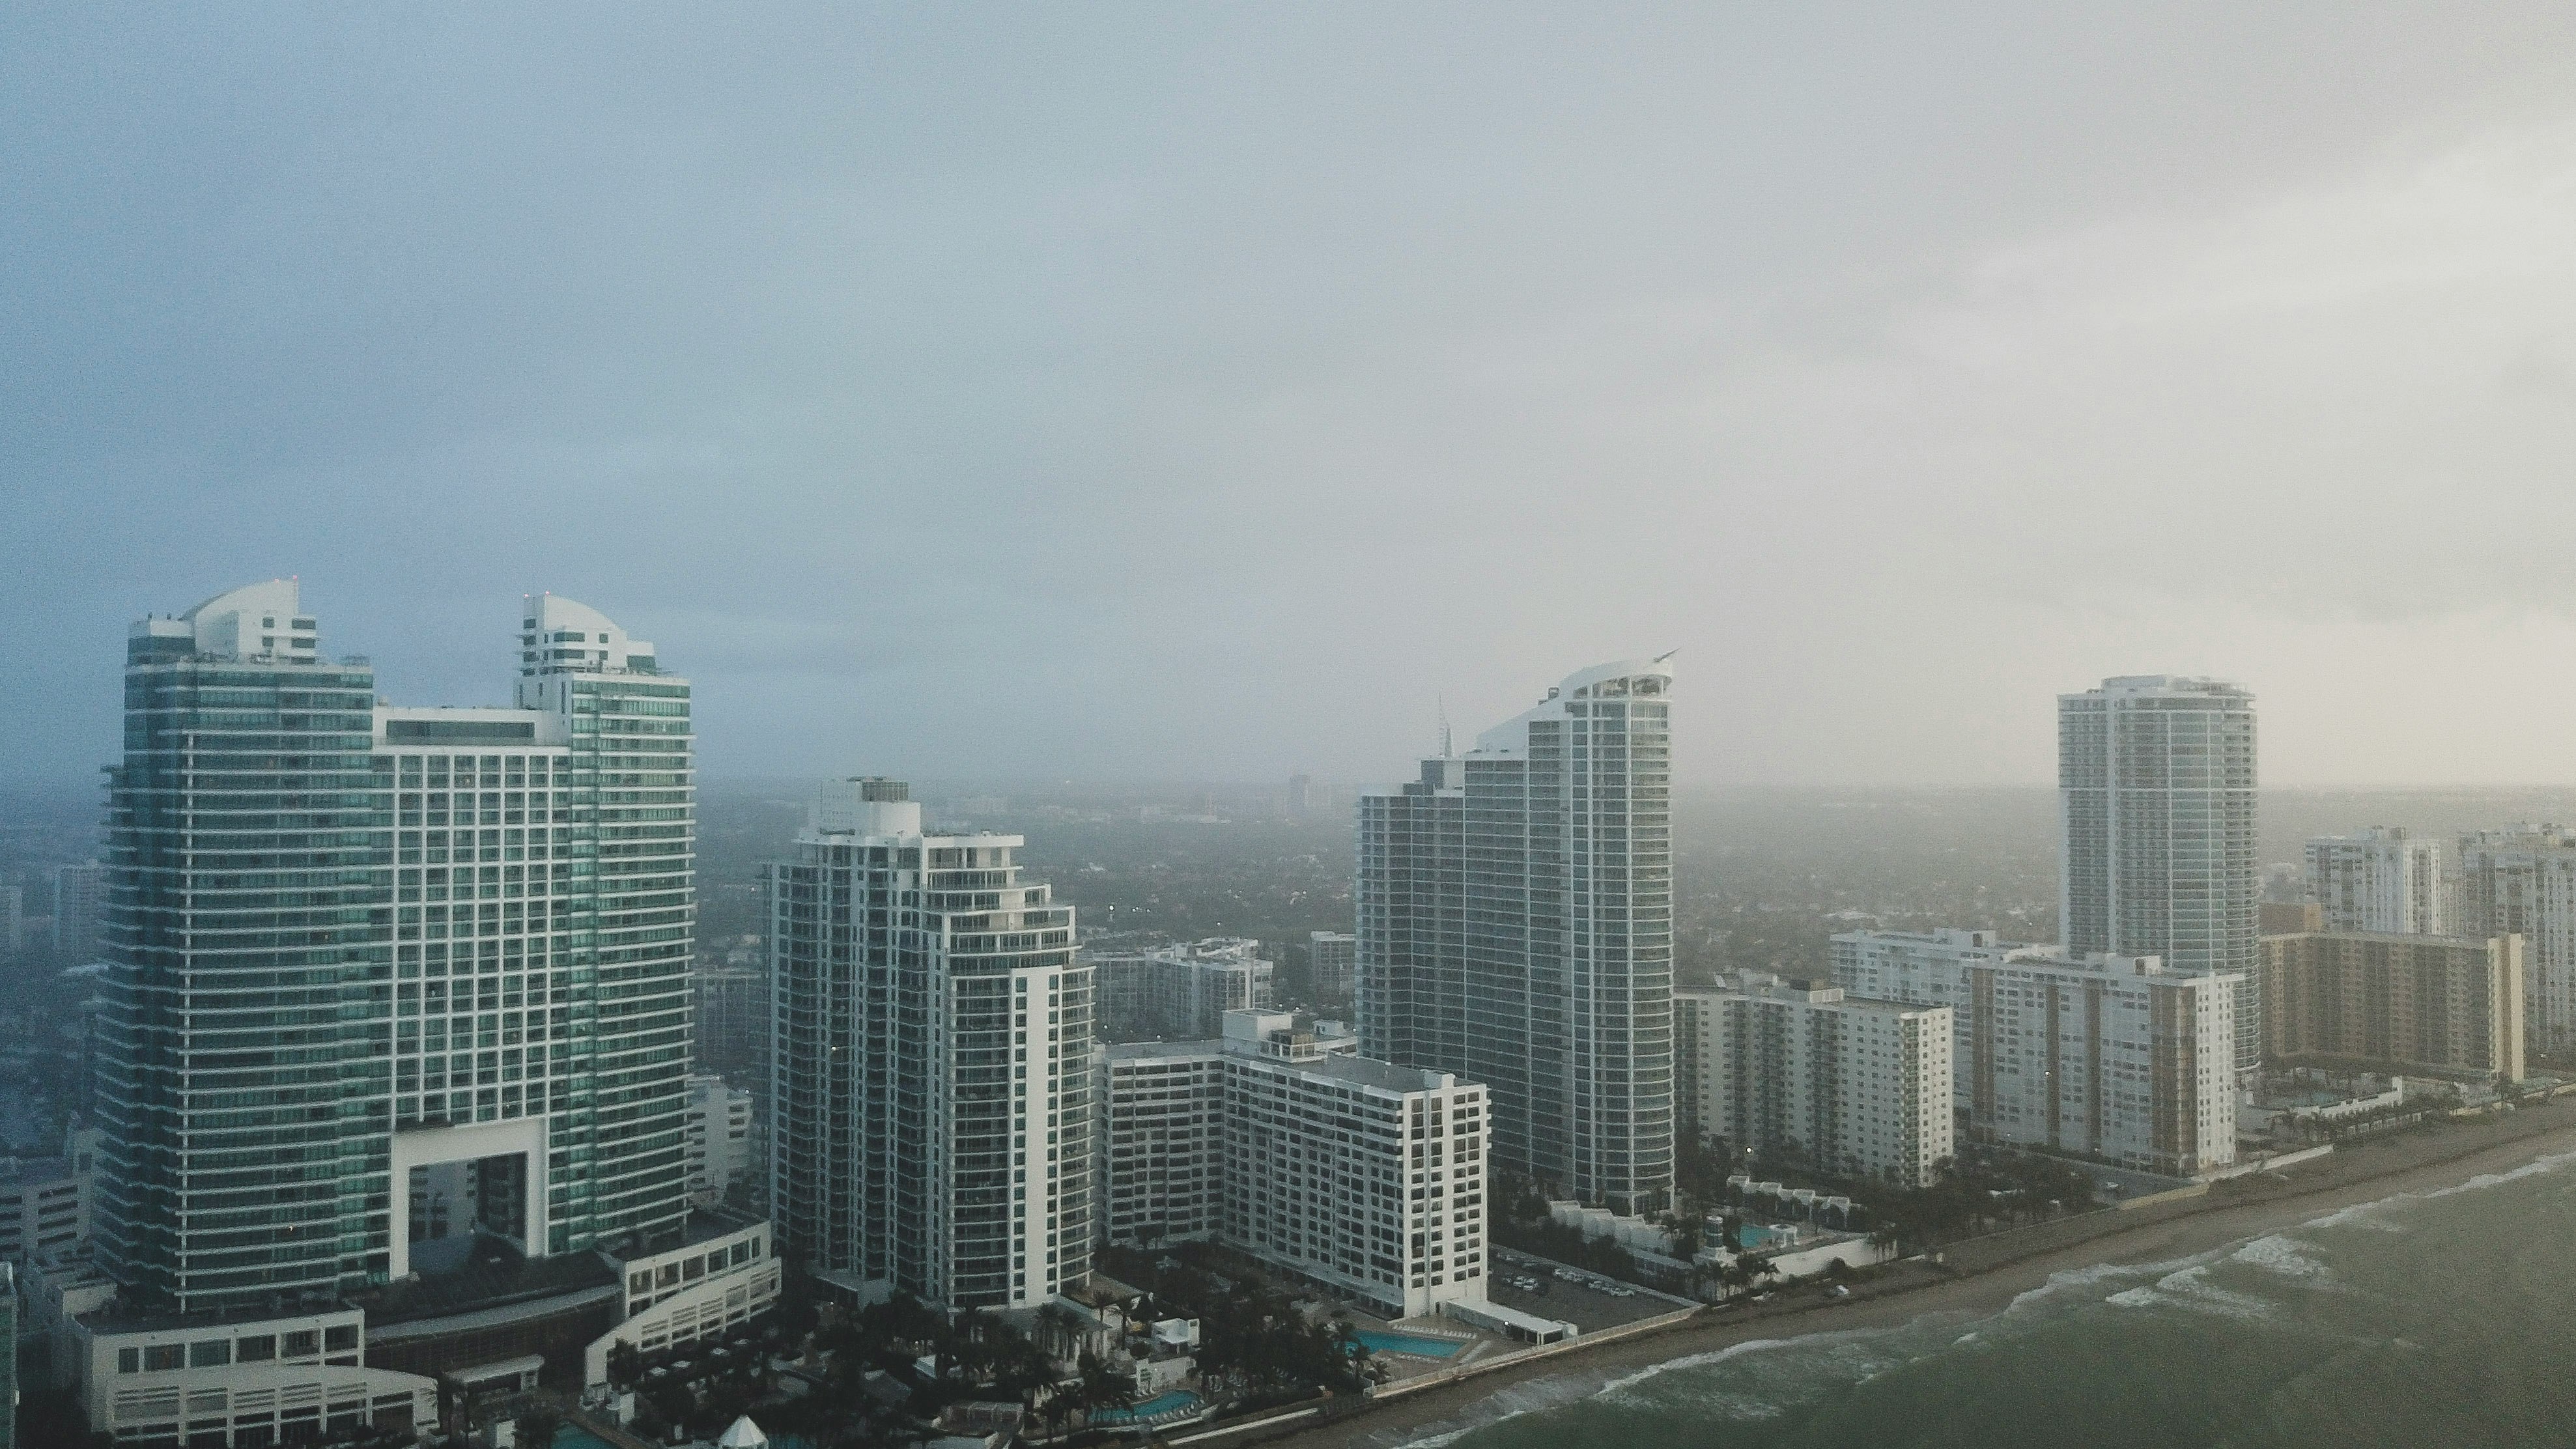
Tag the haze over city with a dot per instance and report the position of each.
(1211, 394)
(1322, 726)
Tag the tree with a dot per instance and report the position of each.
(625, 1364)
(537, 1425)
(1103, 1386)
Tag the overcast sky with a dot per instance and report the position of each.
(1207, 392)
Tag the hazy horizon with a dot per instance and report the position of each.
(1215, 394)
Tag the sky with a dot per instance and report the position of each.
(1210, 393)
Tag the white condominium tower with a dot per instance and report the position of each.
(2155, 781)
(930, 1058)
(1515, 928)
(2383, 880)
(2522, 881)
(350, 942)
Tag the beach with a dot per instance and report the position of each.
(1984, 1278)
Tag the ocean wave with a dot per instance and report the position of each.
(2067, 1280)
(2374, 1214)
(2190, 1291)
(2286, 1256)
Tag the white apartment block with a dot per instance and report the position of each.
(930, 1063)
(1363, 1177)
(1861, 1087)
(1180, 992)
(2522, 881)
(1925, 968)
(2383, 880)
(2112, 1058)
(718, 1140)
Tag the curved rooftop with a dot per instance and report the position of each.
(565, 636)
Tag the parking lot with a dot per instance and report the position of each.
(1583, 1301)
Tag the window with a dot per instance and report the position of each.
(162, 1356)
(256, 1350)
(210, 1353)
(303, 1343)
(129, 1360)
(340, 1336)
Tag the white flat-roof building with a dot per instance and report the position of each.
(2107, 1057)
(1925, 968)
(2384, 880)
(1861, 1087)
(1363, 1177)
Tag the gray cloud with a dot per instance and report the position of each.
(1203, 393)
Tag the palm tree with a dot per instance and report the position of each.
(1103, 1386)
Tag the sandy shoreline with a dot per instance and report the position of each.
(2412, 1164)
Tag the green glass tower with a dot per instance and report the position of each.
(387, 978)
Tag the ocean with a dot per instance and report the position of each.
(2447, 1318)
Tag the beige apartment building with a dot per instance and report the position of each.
(2428, 1005)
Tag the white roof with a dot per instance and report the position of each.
(743, 1435)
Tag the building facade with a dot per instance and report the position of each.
(1331, 956)
(1922, 968)
(930, 1101)
(2395, 1003)
(2522, 882)
(1515, 928)
(2111, 1058)
(352, 946)
(719, 1142)
(2156, 829)
(79, 894)
(1180, 992)
(1860, 1088)
(1283, 1142)
(2385, 881)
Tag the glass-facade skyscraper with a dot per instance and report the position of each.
(351, 944)
(1515, 927)
(2156, 856)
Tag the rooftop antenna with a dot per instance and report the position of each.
(1444, 725)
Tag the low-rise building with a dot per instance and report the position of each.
(1860, 1087)
(1362, 1177)
(2395, 1003)
(44, 1204)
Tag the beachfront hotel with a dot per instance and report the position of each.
(2396, 1004)
(357, 949)
(1279, 1140)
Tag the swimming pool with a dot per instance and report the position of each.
(1178, 1401)
(573, 1436)
(1415, 1344)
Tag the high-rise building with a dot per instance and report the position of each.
(733, 1022)
(2384, 881)
(2155, 781)
(353, 945)
(1515, 928)
(2108, 1057)
(1180, 992)
(719, 1137)
(1330, 956)
(2522, 882)
(2397, 1004)
(1925, 968)
(79, 891)
(930, 1103)
(1282, 1142)
(1861, 1088)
